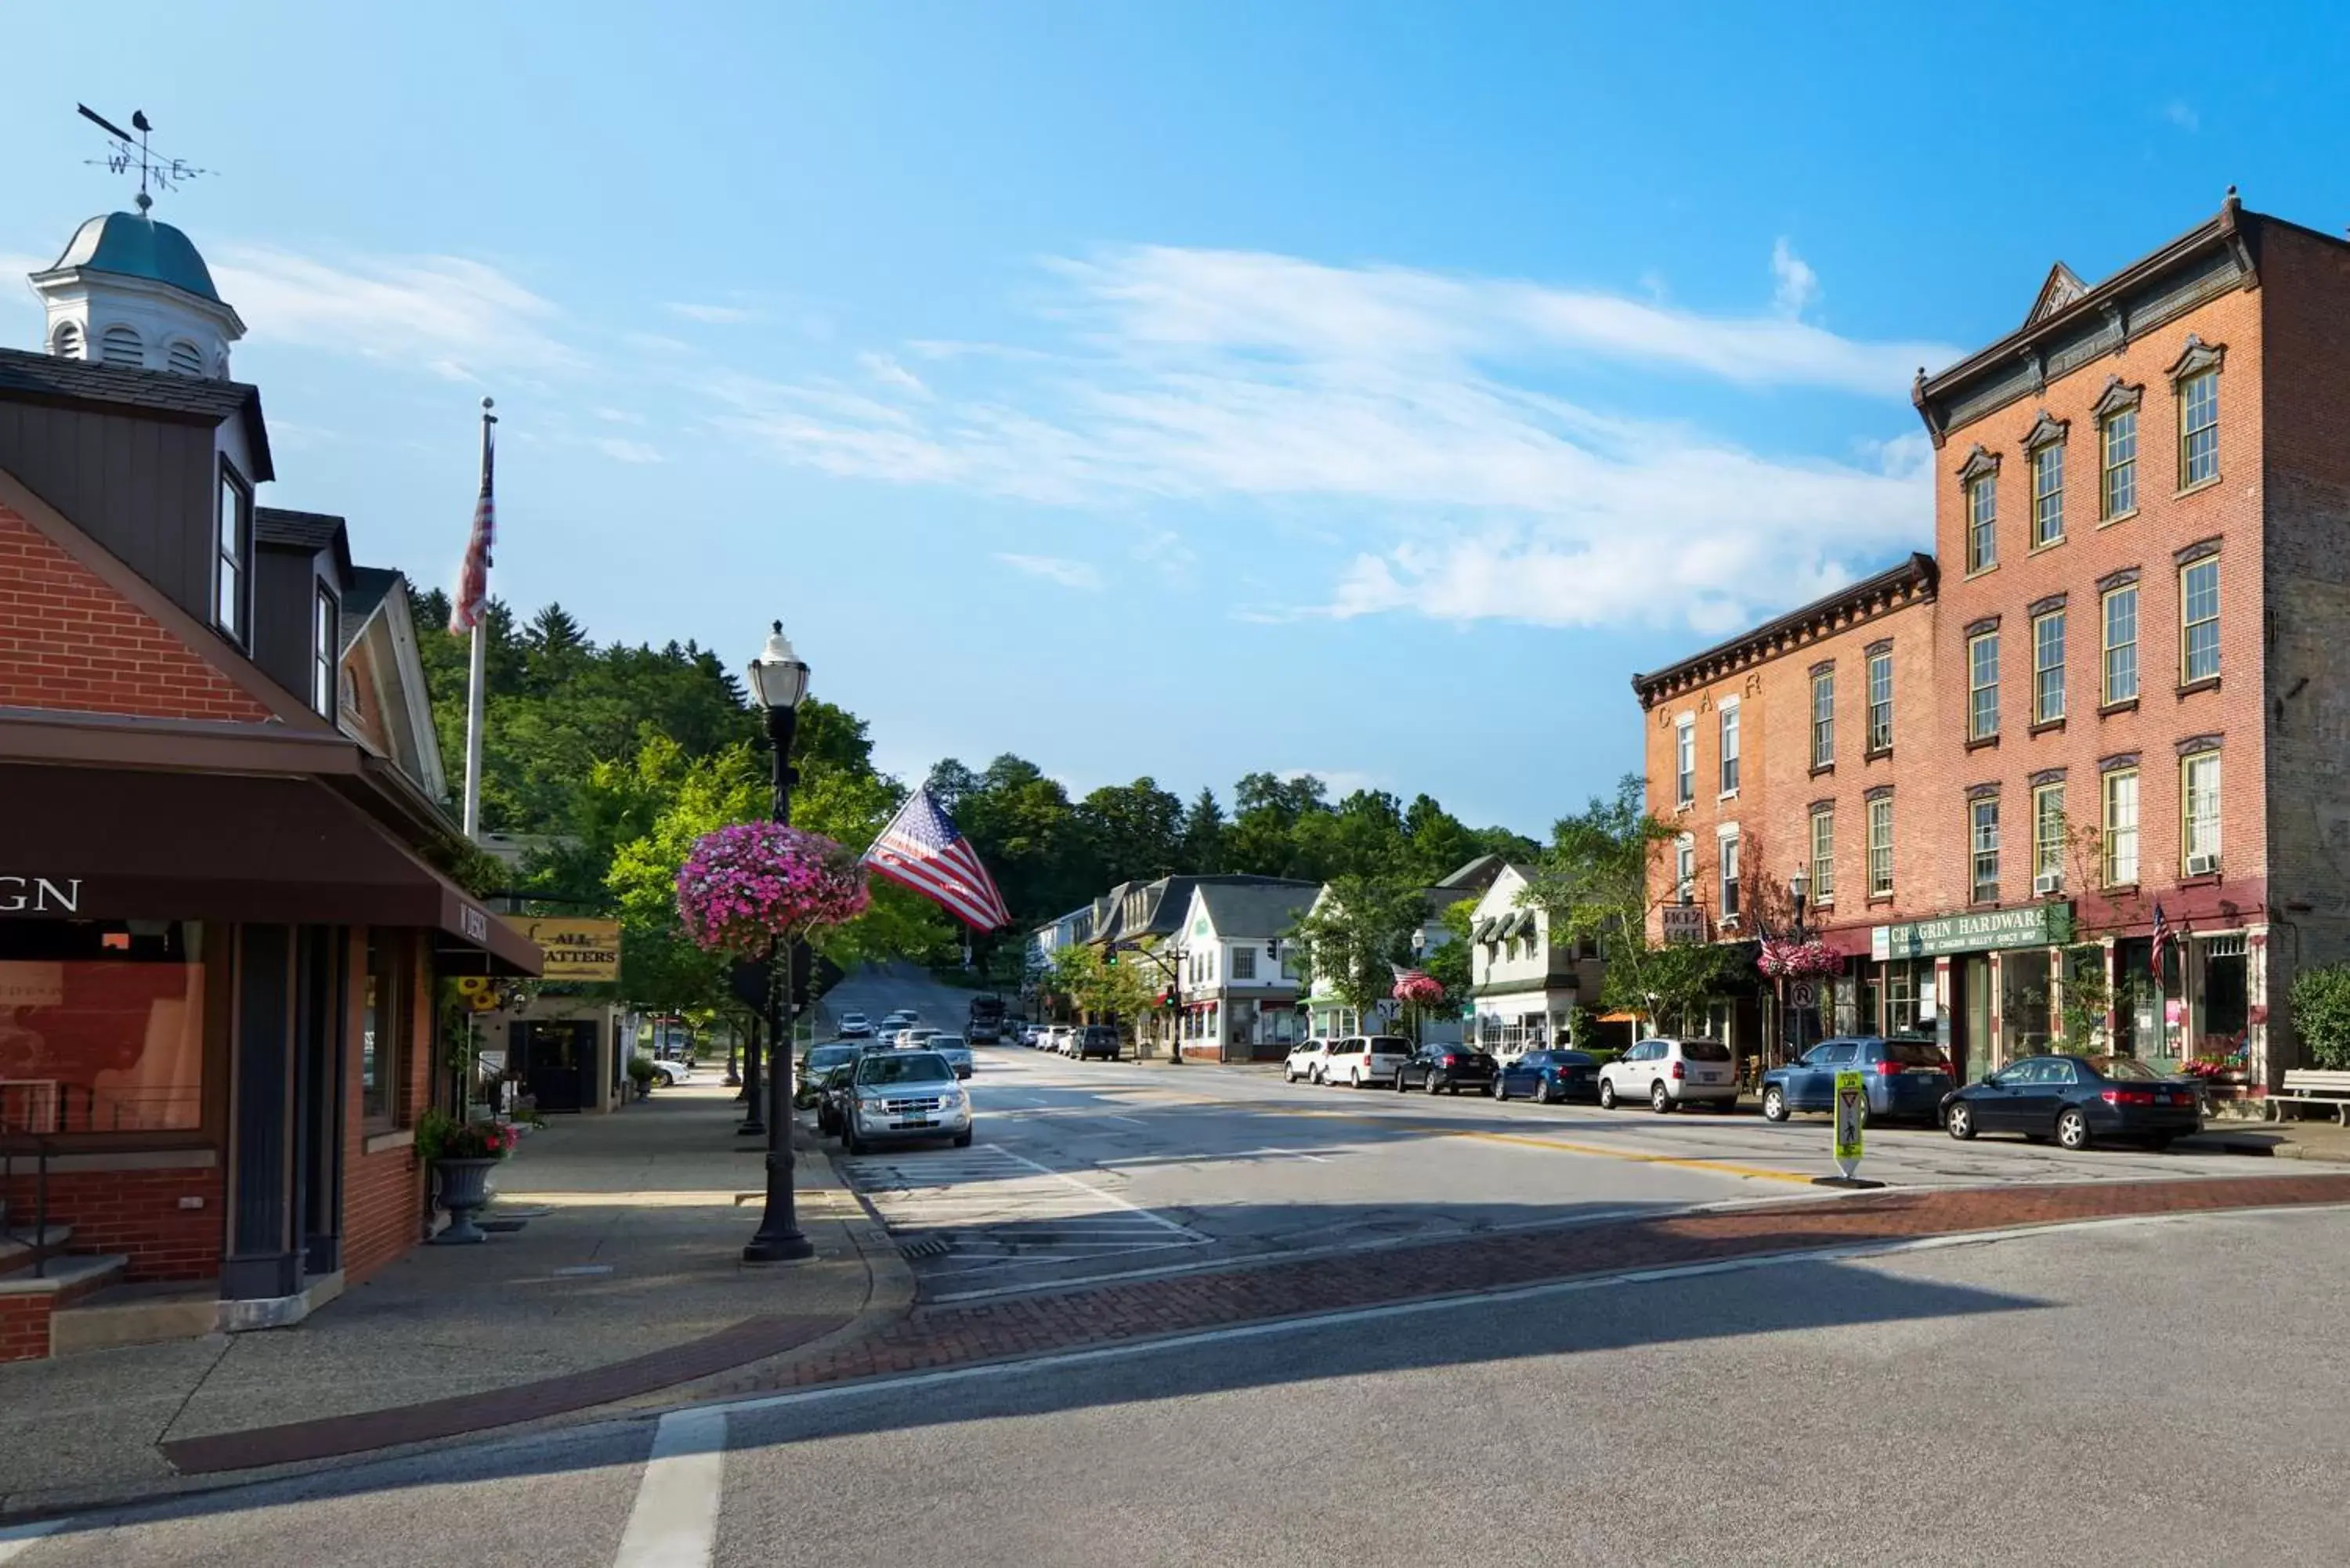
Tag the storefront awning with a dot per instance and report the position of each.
(118, 844)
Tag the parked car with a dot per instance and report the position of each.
(1549, 1076)
(955, 1050)
(915, 1038)
(1028, 1035)
(1096, 1039)
(855, 1026)
(2077, 1100)
(1061, 1037)
(1447, 1068)
(1363, 1059)
(832, 1092)
(815, 1064)
(1670, 1074)
(903, 1096)
(1902, 1078)
(1305, 1061)
(672, 1070)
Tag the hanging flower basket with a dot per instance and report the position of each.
(746, 888)
(1421, 989)
(1797, 959)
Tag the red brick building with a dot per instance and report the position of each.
(221, 924)
(2116, 688)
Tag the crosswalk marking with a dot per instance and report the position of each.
(674, 1522)
(994, 1209)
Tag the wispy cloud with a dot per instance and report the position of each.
(1799, 286)
(1055, 569)
(2181, 113)
(886, 370)
(712, 315)
(620, 450)
(453, 315)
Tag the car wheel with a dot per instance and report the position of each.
(1543, 1094)
(1961, 1122)
(848, 1141)
(1606, 1094)
(1432, 1085)
(1356, 1079)
(1500, 1090)
(1775, 1106)
(962, 1138)
(1658, 1100)
(2072, 1129)
(1288, 1075)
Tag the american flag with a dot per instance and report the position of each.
(2161, 935)
(921, 850)
(1404, 976)
(474, 581)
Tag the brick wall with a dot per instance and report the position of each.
(1936, 782)
(138, 1214)
(383, 1193)
(69, 641)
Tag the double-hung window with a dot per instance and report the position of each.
(1730, 748)
(1824, 719)
(233, 555)
(326, 631)
(1822, 889)
(1685, 868)
(2198, 429)
(1726, 843)
(2048, 831)
(2048, 667)
(1983, 523)
(2199, 621)
(1983, 838)
(2048, 494)
(2199, 803)
(2121, 828)
(1880, 848)
(1880, 701)
(2117, 439)
(1982, 686)
(2121, 644)
(1685, 759)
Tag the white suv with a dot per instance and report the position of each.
(1364, 1059)
(1305, 1059)
(1670, 1073)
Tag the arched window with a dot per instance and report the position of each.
(185, 358)
(66, 344)
(120, 346)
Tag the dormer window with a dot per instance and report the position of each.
(120, 346)
(184, 358)
(231, 555)
(350, 692)
(67, 343)
(326, 632)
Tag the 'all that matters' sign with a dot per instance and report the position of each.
(575, 950)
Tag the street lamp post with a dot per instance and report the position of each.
(779, 680)
(1799, 884)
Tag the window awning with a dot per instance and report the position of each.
(118, 844)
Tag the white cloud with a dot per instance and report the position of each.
(1339, 782)
(617, 416)
(1799, 286)
(1053, 569)
(2182, 114)
(454, 317)
(712, 315)
(620, 450)
(886, 370)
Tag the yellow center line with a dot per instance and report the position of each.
(1683, 1162)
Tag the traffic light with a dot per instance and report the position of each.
(1109, 955)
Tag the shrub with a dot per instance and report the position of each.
(440, 1135)
(641, 1072)
(2321, 1014)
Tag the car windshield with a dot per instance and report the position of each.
(946, 1042)
(1705, 1050)
(825, 1056)
(2128, 1067)
(912, 1067)
(1572, 1058)
(1912, 1054)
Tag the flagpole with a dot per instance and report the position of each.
(477, 681)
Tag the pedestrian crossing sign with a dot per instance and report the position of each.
(1851, 1112)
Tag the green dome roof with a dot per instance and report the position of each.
(135, 245)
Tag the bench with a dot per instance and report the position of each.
(2312, 1086)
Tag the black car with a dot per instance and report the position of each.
(1549, 1076)
(1096, 1040)
(2077, 1100)
(1450, 1068)
(807, 1073)
(833, 1088)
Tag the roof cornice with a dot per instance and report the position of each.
(1914, 581)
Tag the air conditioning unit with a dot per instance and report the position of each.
(2203, 865)
(2047, 883)
(1730, 922)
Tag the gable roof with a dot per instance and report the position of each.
(188, 400)
(2062, 288)
(370, 586)
(379, 596)
(307, 531)
(1248, 910)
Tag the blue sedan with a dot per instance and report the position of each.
(1550, 1076)
(1901, 1078)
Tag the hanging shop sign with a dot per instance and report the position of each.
(576, 950)
(2036, 926)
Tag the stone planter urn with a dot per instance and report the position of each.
(465, 1187)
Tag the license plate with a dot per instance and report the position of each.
(914, 1122)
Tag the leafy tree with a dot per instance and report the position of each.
(2321, 1014)
(1204, 830)
(2087, 997)
(1098, 987)
(1359, 932)
(1450, 963)
(1134, 831)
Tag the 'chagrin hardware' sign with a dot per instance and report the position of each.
(40, 894)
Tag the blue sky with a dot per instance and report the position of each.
(1177, 390)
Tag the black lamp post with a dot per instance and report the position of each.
(1799, 885)
(778, 680)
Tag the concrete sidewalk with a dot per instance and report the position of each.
(2306, 1138)
(627, 1279)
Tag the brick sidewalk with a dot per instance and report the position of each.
(1035, 1324)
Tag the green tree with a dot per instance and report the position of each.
(1134, 831)
(1361, 930)
(1205, 831)
(1450, 963)
(1098, 986)
(2321, 1014)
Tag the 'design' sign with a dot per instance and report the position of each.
(575, 950)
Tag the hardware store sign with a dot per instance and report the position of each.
(2041, 925)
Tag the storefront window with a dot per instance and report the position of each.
(1900, 997)
(101, 1026)
(2224, 1008)
(383, 1013)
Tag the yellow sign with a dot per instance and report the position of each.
(576, 950)
(1851, 1112)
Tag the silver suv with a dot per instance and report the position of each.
(899, 1096)
(1670, 1074)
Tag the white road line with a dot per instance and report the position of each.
(674, 1523)
(1137, 1121)
(18, 1539)
(1095, 1191)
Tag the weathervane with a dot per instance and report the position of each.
(129, 149)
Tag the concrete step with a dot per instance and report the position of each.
(16, 1248)
(68, 1275)
(150, 1314)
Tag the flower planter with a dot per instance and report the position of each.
(464, 1187)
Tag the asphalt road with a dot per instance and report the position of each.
(2153, 1392)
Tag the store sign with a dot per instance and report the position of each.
(2039, 926)
(40, 894)
(1684, 922)
(32, 983)
(575, 950)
